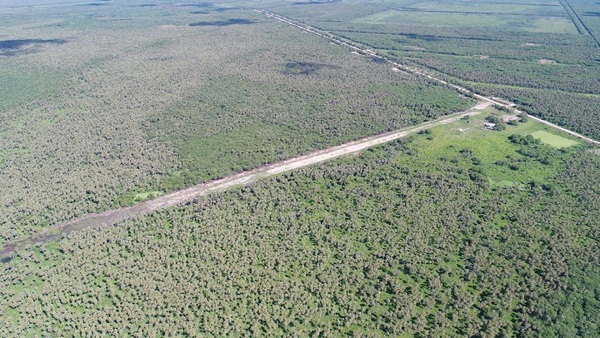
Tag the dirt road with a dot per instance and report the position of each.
(413, 70)
(112, 217)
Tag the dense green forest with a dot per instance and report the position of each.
(422, 237)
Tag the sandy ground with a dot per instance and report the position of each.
(482, 105)
(508, 118)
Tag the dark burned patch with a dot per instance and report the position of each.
(414, 36)
(148, 5)
(303, 68)
(377, 60)
(315, 2)
(25, 46)
(6, 260)
(223, 23)
(200, 12)
(223, 9)
(199, 5)
(94, 4)
(591, 14)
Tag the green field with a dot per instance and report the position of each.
(489, 8)
(472, 20)
(553, 139)
(467, 141)
(142, 196)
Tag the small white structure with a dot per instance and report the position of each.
(489, 125)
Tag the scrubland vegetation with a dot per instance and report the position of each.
(456, 231)
(545, 54)
(161, 110)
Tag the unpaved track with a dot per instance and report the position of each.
(413, 70)
(112, 217)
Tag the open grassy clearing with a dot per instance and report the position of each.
(467, 142)
(142, 196)
(495, 8)
(471, 20)
(553, 139)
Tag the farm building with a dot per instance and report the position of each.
(489, 125)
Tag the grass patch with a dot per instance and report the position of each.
(490, 154)
(475, 20)
(496, 8)
(142, 196)
(553, 140)
(505, 183)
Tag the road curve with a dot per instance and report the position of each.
(114, 216)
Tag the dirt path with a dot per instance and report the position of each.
(417, 71)
(112, 217)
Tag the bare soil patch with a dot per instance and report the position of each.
(114, 216)
(482, 105)
(508, 118)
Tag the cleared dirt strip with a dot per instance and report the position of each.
(413, 70)
(114, 216)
